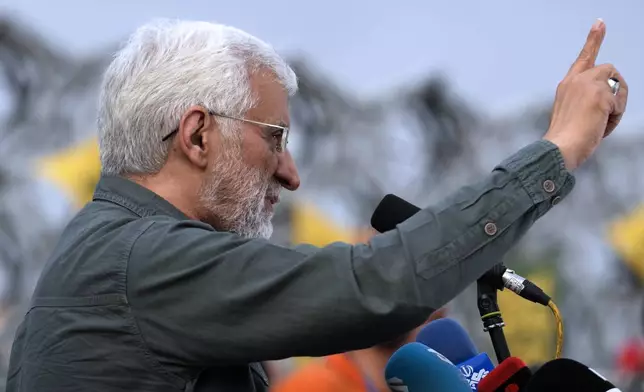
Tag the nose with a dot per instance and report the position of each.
(286, 172)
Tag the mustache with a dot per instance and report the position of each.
(273, 189)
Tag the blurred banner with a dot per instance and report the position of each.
(530, 328)
(75, 170)
(312, 226)
(627, 238)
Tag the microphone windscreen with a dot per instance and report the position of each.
(449, 338)
(511, 371)
(567, 375)
(630, 358)
(417, 368)
(392, 211)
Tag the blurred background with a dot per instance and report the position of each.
(414, 98)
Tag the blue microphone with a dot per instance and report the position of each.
(450, 339)
(475, 369)
(417, 368)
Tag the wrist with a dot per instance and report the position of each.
(568, 153)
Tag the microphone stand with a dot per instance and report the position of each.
(487, 287)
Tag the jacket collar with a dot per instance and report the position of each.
(134, 197)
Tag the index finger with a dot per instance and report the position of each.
(588, 54)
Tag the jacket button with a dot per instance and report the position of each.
(549, 186)
(490, 229)
(555, 200)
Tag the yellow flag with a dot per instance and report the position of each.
(310, 225)
(530, 328)
(76, 170)
(627, 237)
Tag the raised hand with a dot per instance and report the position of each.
(585, 109)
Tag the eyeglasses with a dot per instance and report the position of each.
(279, 132)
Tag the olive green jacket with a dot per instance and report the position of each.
(138, 297)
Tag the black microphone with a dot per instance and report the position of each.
(568, 375)
(393, 210)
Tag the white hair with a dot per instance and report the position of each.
(166, 67)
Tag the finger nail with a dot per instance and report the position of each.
(598, 23)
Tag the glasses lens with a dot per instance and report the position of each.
(284, 141)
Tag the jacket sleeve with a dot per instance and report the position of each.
(202, 297)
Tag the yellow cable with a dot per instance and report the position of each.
(560, 331)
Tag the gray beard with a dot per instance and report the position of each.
(234, 198)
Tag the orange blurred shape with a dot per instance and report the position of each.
(438, 314)
(364, 234)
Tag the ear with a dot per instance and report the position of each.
(194, 137)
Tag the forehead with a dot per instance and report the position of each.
(272, 106)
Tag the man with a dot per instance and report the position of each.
(354, 371)
(166, 280)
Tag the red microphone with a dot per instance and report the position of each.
(630, 359)
(512, 375)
